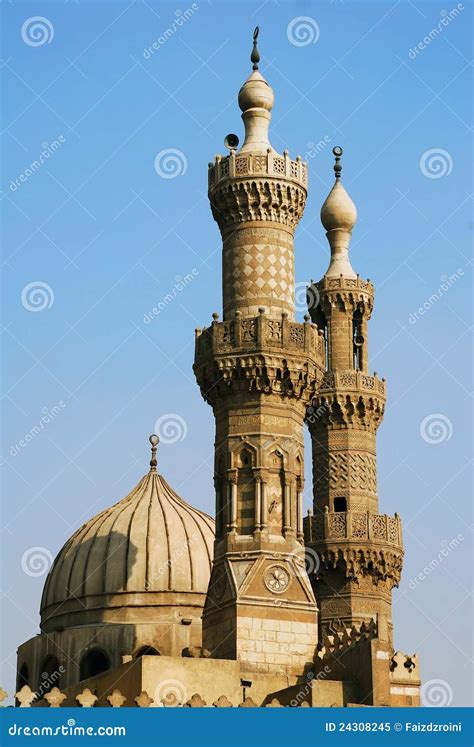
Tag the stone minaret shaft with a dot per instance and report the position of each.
(360, 550)
(259, 369)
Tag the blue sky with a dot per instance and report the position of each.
(109, 238)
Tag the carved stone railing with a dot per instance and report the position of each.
(331, 283)
(354, 525)
(260, 165)
(331, 290)
(241, 335)
(353, 380)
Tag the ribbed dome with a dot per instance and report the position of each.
(149, 550)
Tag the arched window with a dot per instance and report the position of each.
(340, 504)
(23, 676)
(50, 675)
(147, 651)
(93, 663)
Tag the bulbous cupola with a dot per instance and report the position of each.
(339, 216)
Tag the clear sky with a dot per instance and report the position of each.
(95, 238)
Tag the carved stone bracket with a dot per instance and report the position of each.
(383, 564)
(253, 355)
(350, 291)
(352, 399)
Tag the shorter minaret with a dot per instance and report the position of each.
(360, 550)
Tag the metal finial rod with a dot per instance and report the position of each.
(337, 166)
(154, 440)
(255, 56)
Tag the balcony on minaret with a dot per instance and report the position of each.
(235, 345)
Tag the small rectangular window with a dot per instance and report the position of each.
(340, 504)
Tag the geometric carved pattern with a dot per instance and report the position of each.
(352, 470)
(338, 470)
(363, 472)
(378, 526)
(258, 271)
(392, 529)
(353, 525)
(359, 525)
(337, 524)
(254, 163)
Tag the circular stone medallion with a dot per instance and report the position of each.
(276, 579)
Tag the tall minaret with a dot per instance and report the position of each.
(360, 550)
(259, 369)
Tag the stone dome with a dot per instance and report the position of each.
(131, 563)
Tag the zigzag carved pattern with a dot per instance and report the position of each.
(355, 471)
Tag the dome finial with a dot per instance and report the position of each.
(255, 56)
(154, 440)
(337, 151)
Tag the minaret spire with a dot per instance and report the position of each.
(339, 216)
(256, 100)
